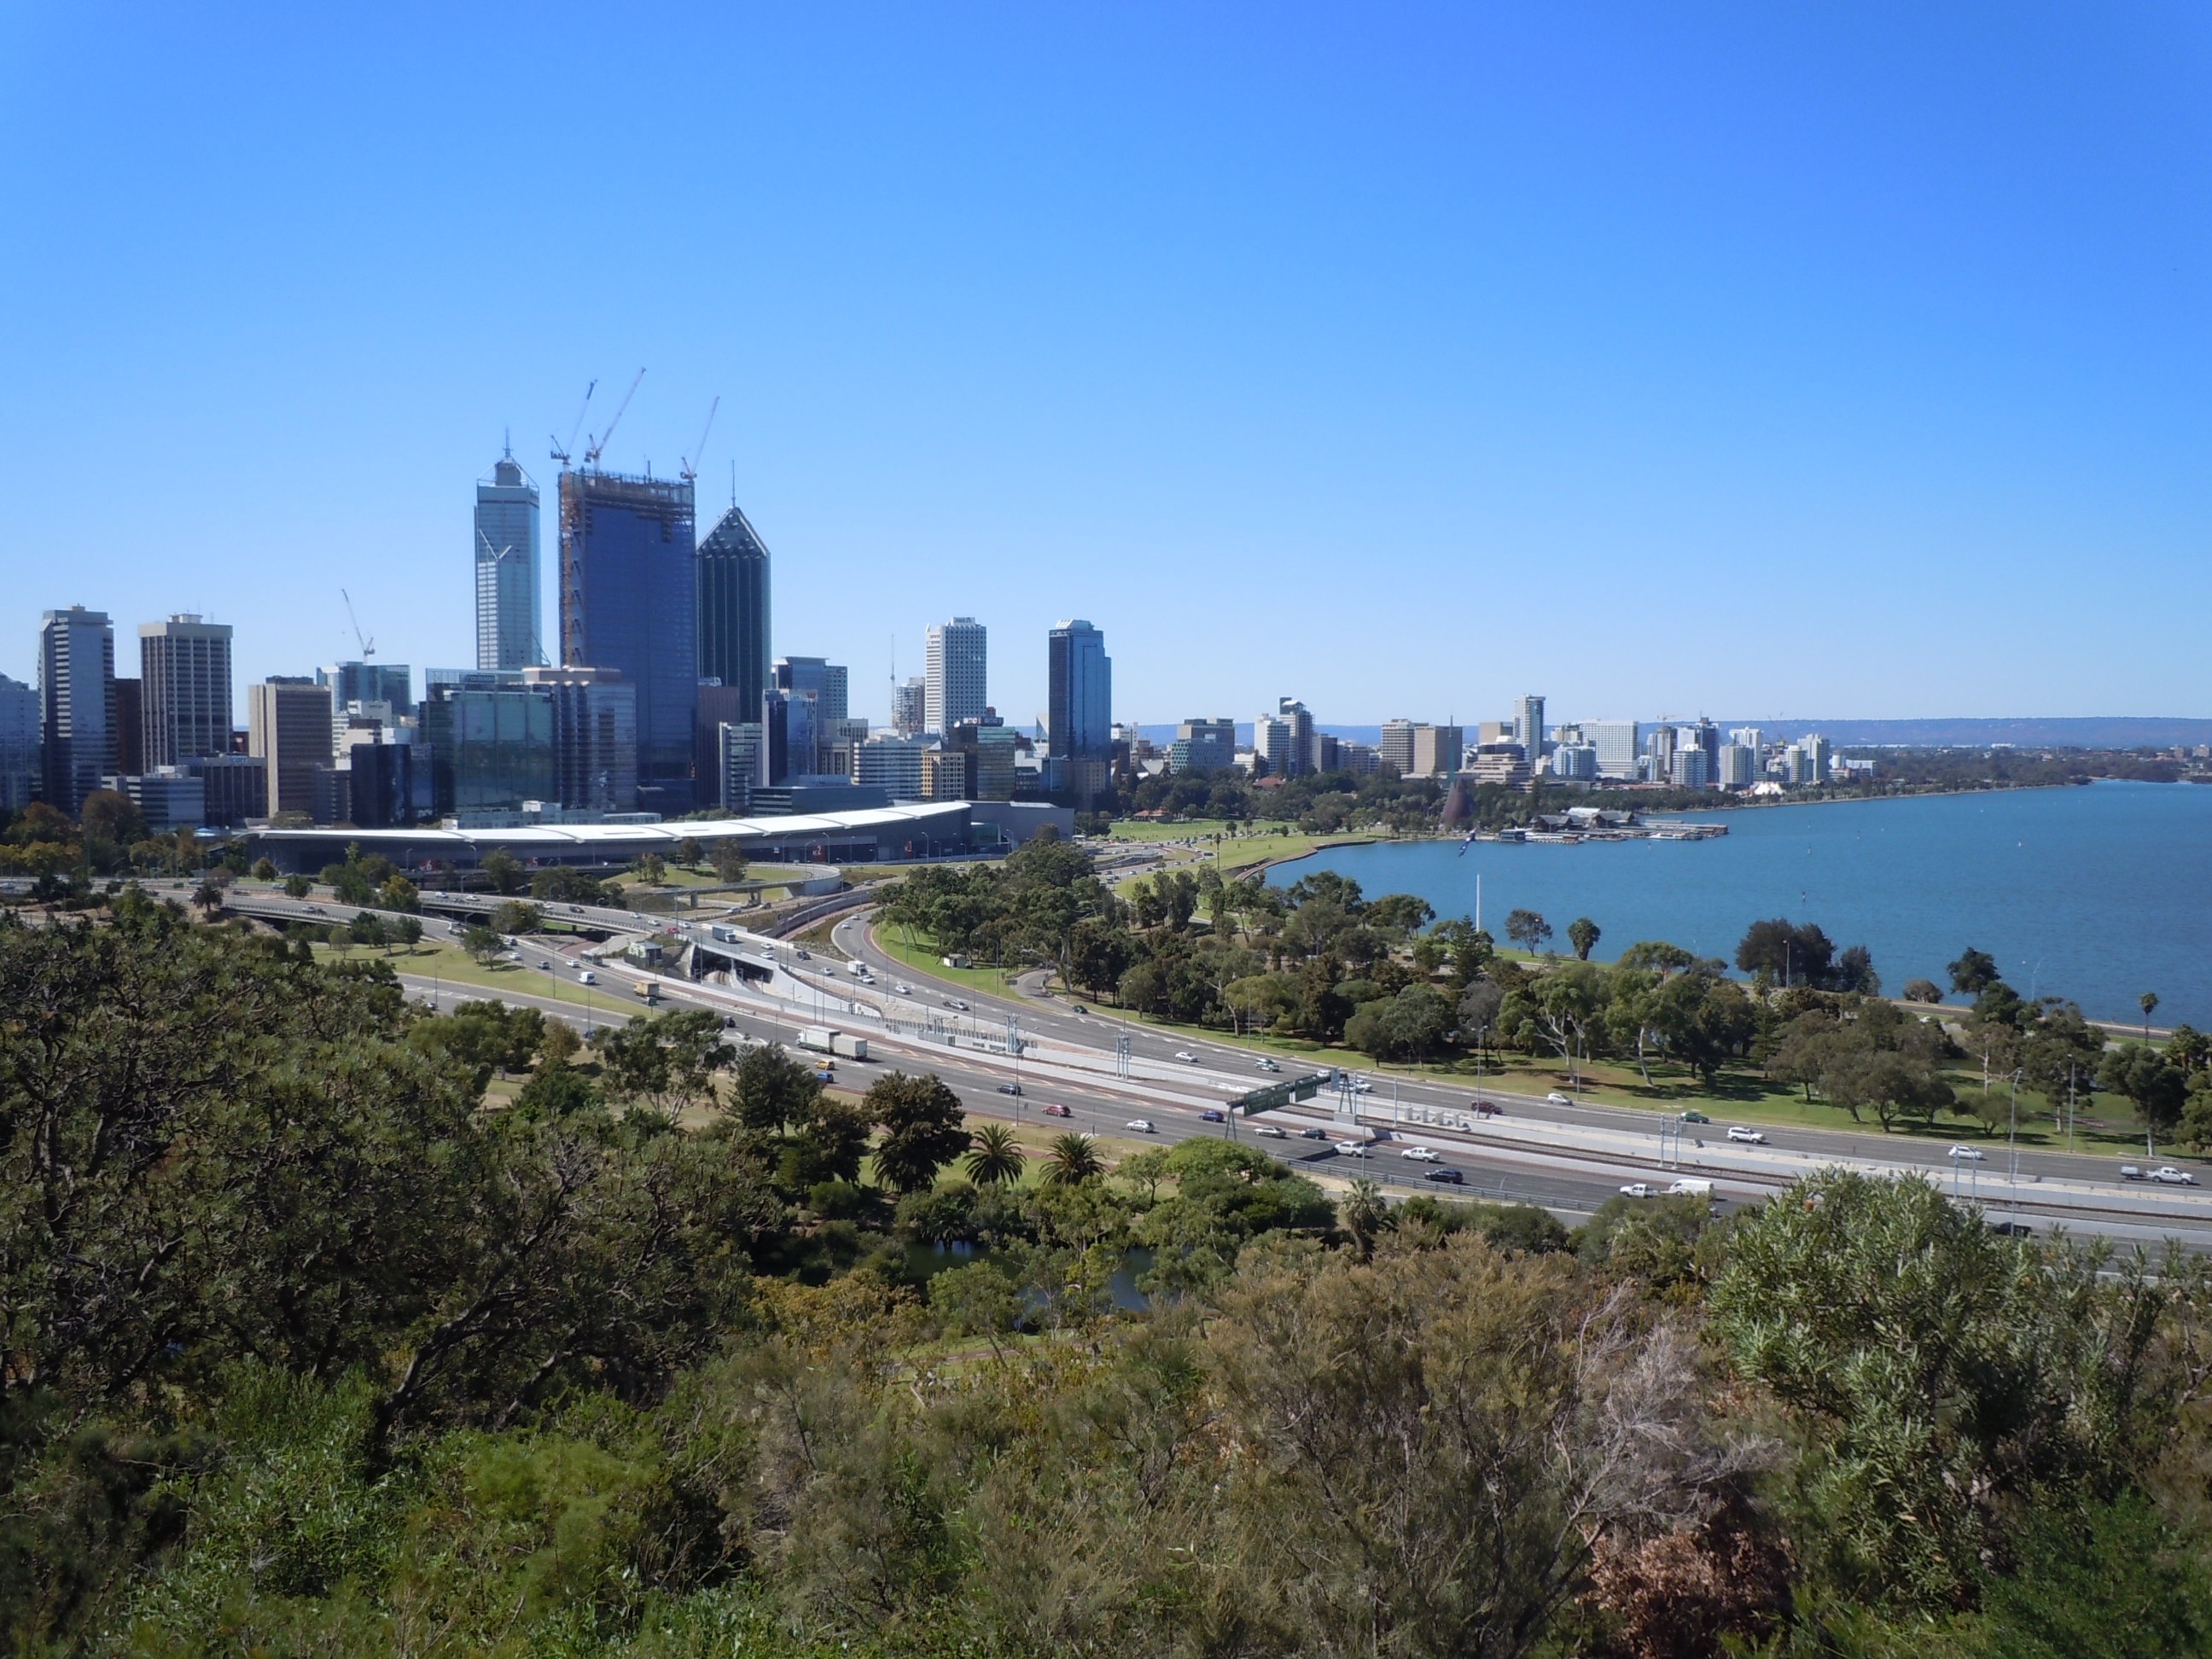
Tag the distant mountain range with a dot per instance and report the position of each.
(2071, 732)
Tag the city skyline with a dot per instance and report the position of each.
(1753, 319)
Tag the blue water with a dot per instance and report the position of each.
(2098, 893)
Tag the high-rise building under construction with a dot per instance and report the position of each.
(629, 601)
(507, 568)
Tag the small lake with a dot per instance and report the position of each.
(2098, 893)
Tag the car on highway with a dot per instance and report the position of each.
(1360, 1085)
(803, 954)
(1186, 1056)
(1272, 1132)
(954, 1002)
(575, 910)
(1556, 1098)
(1964, 1154)
(1142, 1126)
(588, 978)
(1746, 1137)
(1057, 1110)
(1421, 1154)
(1488, 1109)
(1352, 1149)
(1010, 1088)
(2172, 1177)
(901, 988)
(1695, 1117)
(1213, 1116)
(1639, 1190)
(1446, 1174)
(545, 966)
(1313, 1134)
(2011, 1229)
(1267, 1065)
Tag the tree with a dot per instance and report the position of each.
(1974, 972)
(1364, 1213)
(341, 939)
(504, 870)
(997, 1157)
(1407, 1026)
(728, 858)
(399, 894)
(263, 870)
(2148, 1003)
(515, 917)
(1478, 1011)
(1072, 1161)
(560, 1044)
(1529, 930)
(368, 929)
(922, 1128)
(1583, 933)
(408, 930)
(654, 870)
(688, 850)
(1923, 990)
(772, 1091)
(1795, 954)
(108, 815)
(666, 1061)
(1854, 972)
(298, 887)
(482, 943)
(2157, 1090)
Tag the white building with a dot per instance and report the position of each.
(956, 674)
(1617, 748)
(1739, 766)
(892, 764)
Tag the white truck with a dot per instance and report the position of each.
(1691, 1187)
(825, 1040)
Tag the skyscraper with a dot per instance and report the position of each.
(910, 708)
(76, 703)
(595, 737)
(288, 725)
(629, 600)
(733, 608)
(1529, 726)
(1615, 742)
(814, 694)
(955, 672)
(184, 690)
(383, 691)
(507, 568)
(1298, 759)
(21, 775)
(1079, 706)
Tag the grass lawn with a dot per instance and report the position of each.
(926, 961)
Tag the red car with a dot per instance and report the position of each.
(1058, 1111)
(1488, 1109)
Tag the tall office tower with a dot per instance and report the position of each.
(1708, 737)
(1271, 744)
(955, 672)
(1299, 758)
(1747, 737)
(595, 737)
(288, 725)
(1529, 726)
(910, 708)
(742, 747)
(629, 601)
(130, 739)
(77, 704)
(732, 587)
(507, 568)
(828, 683)
(1662, 753)
(1397, 748)
(1819, 757)
(891, 764)
(490, 739)
(1079, 697)
(1739, 767)
(185, 698)
(1203, 746)
(20, 775)
(1692, 768)
(1436, 750)
(1615, 742)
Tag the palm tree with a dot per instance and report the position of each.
(997, 1157)
(2148, 1001)
(1072, 1161)
(1364, 1213)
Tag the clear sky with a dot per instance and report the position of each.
(1847, 360)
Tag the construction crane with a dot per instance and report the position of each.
(367, 647)
(592, 455)
(561, 449)
(690, 469)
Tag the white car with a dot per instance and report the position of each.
(1421, 1154)
(1747, 1137)
(1360, 1085)
(902, 988)
(1964, 1154)
(1639, 1190)
(1556, 1098)
(1272, 1132)
(1186, 1056)
(1142, 1126)
(1353, 1148)
(588, 978)
(2172, 1177)
(1267, 1065)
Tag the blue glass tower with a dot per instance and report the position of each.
(1079, 712)
(630, 602)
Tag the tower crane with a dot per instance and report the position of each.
(561, 449)
(592, 455)
(690, 469)
(367, 647)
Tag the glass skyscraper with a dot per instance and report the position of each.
(1079, 707)
(734, 609)
(507, 568)
(76, 703)
(629, 601)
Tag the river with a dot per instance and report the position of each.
(2098, 893)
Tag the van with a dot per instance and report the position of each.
(1691, 1187)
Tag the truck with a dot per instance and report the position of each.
(1691, 1187)
(722, 934)
(826, 1039)
(647, 989)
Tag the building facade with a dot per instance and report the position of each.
(183, 672)
(956, 676)
(1435, 751)
(508, 604)
(1618, 750)
(1079, 693)
(288, 727)
(595, 737)
(630, 602)
(169, 797)
(1204, 745)
(21, 775)
(490, 743)
(732, 572)
(233, 788)
(77, 704)
(1397, 746)
(910, 708)
(891, 764)
(1529, 726)
(742, 754)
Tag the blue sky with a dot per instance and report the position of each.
(1842, 361)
